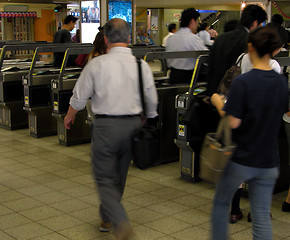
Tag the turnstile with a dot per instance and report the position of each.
(189, 144)
(37, 93)
(62, 91)
(168, 151)
(12, 115)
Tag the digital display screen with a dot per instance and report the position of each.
(121, 9)
(90, 20)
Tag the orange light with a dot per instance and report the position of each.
(243, 5)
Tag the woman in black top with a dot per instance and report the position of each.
(257, 101)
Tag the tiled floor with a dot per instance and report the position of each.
(47, 192)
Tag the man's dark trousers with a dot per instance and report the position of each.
(111, 156)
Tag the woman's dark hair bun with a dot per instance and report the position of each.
(265, 40)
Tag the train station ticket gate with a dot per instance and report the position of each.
(62, 88)
(188, 154)
(12, 115)
(168, 151)
(37, 92)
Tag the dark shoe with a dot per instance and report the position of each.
(235, 217)
(250, 218)
(286, 207)
(105, 227)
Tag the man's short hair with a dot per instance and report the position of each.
(276, 18)
(251, 13)
(187, 15)
(117, 31)
(69, 18)
(171, 27)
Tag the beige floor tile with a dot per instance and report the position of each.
(92, 199)
(4, 211)
(82, 232)
(14, 154)
(34, 190)
(3, 188)
(107, 237)
(193, 217)
(5, 236)
(8, 176)
(45, 178)
(84, 179)
(167, 225)
(51, 236)
(19, 183)
(145, 199)
(192, 201)
(146, 174)
(22, 204)
(12, 220)
(51, 197)
(30, 172)
(168, 208)
(90, 214)
(133, 180)
(144, 215)
(146, 233)
(10, 195)
(147, 186)
(192, 233)
(168, 193)
(28, 231)
(129, 206)
(61, 222)
(69, 173)
(78, 191)
(53, 167)
(61, 184)
(166, 237)
(70, 205)
(41, 213)
(130, 192)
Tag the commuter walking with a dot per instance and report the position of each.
(257, 101)
(228, 46)
(171, 30)
(184, 39)
(63, 36)
(111, 81)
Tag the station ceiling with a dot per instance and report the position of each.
(156, 3)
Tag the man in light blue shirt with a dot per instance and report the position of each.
(184, 40)
(111, 80)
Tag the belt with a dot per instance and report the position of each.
(116, 116)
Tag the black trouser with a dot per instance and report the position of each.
(180, 76)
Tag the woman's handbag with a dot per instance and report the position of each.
(145, 141)
(216, 150)
(229, 76)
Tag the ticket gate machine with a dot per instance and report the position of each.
(189, 154)
(12, 115)
(37, 92)
(62, 88)
(168, 151)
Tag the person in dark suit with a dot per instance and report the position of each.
(228, 46)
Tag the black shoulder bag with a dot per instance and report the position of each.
(145, 142)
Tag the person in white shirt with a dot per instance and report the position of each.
(112, 82)
(204, 34)
(171, 30)
(184, 40)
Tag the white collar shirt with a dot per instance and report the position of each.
(164, 42)
(111, 81)
(184, 40)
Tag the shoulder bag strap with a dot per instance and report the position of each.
(141, 88)
(239, 61)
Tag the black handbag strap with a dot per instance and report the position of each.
(141, 88)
